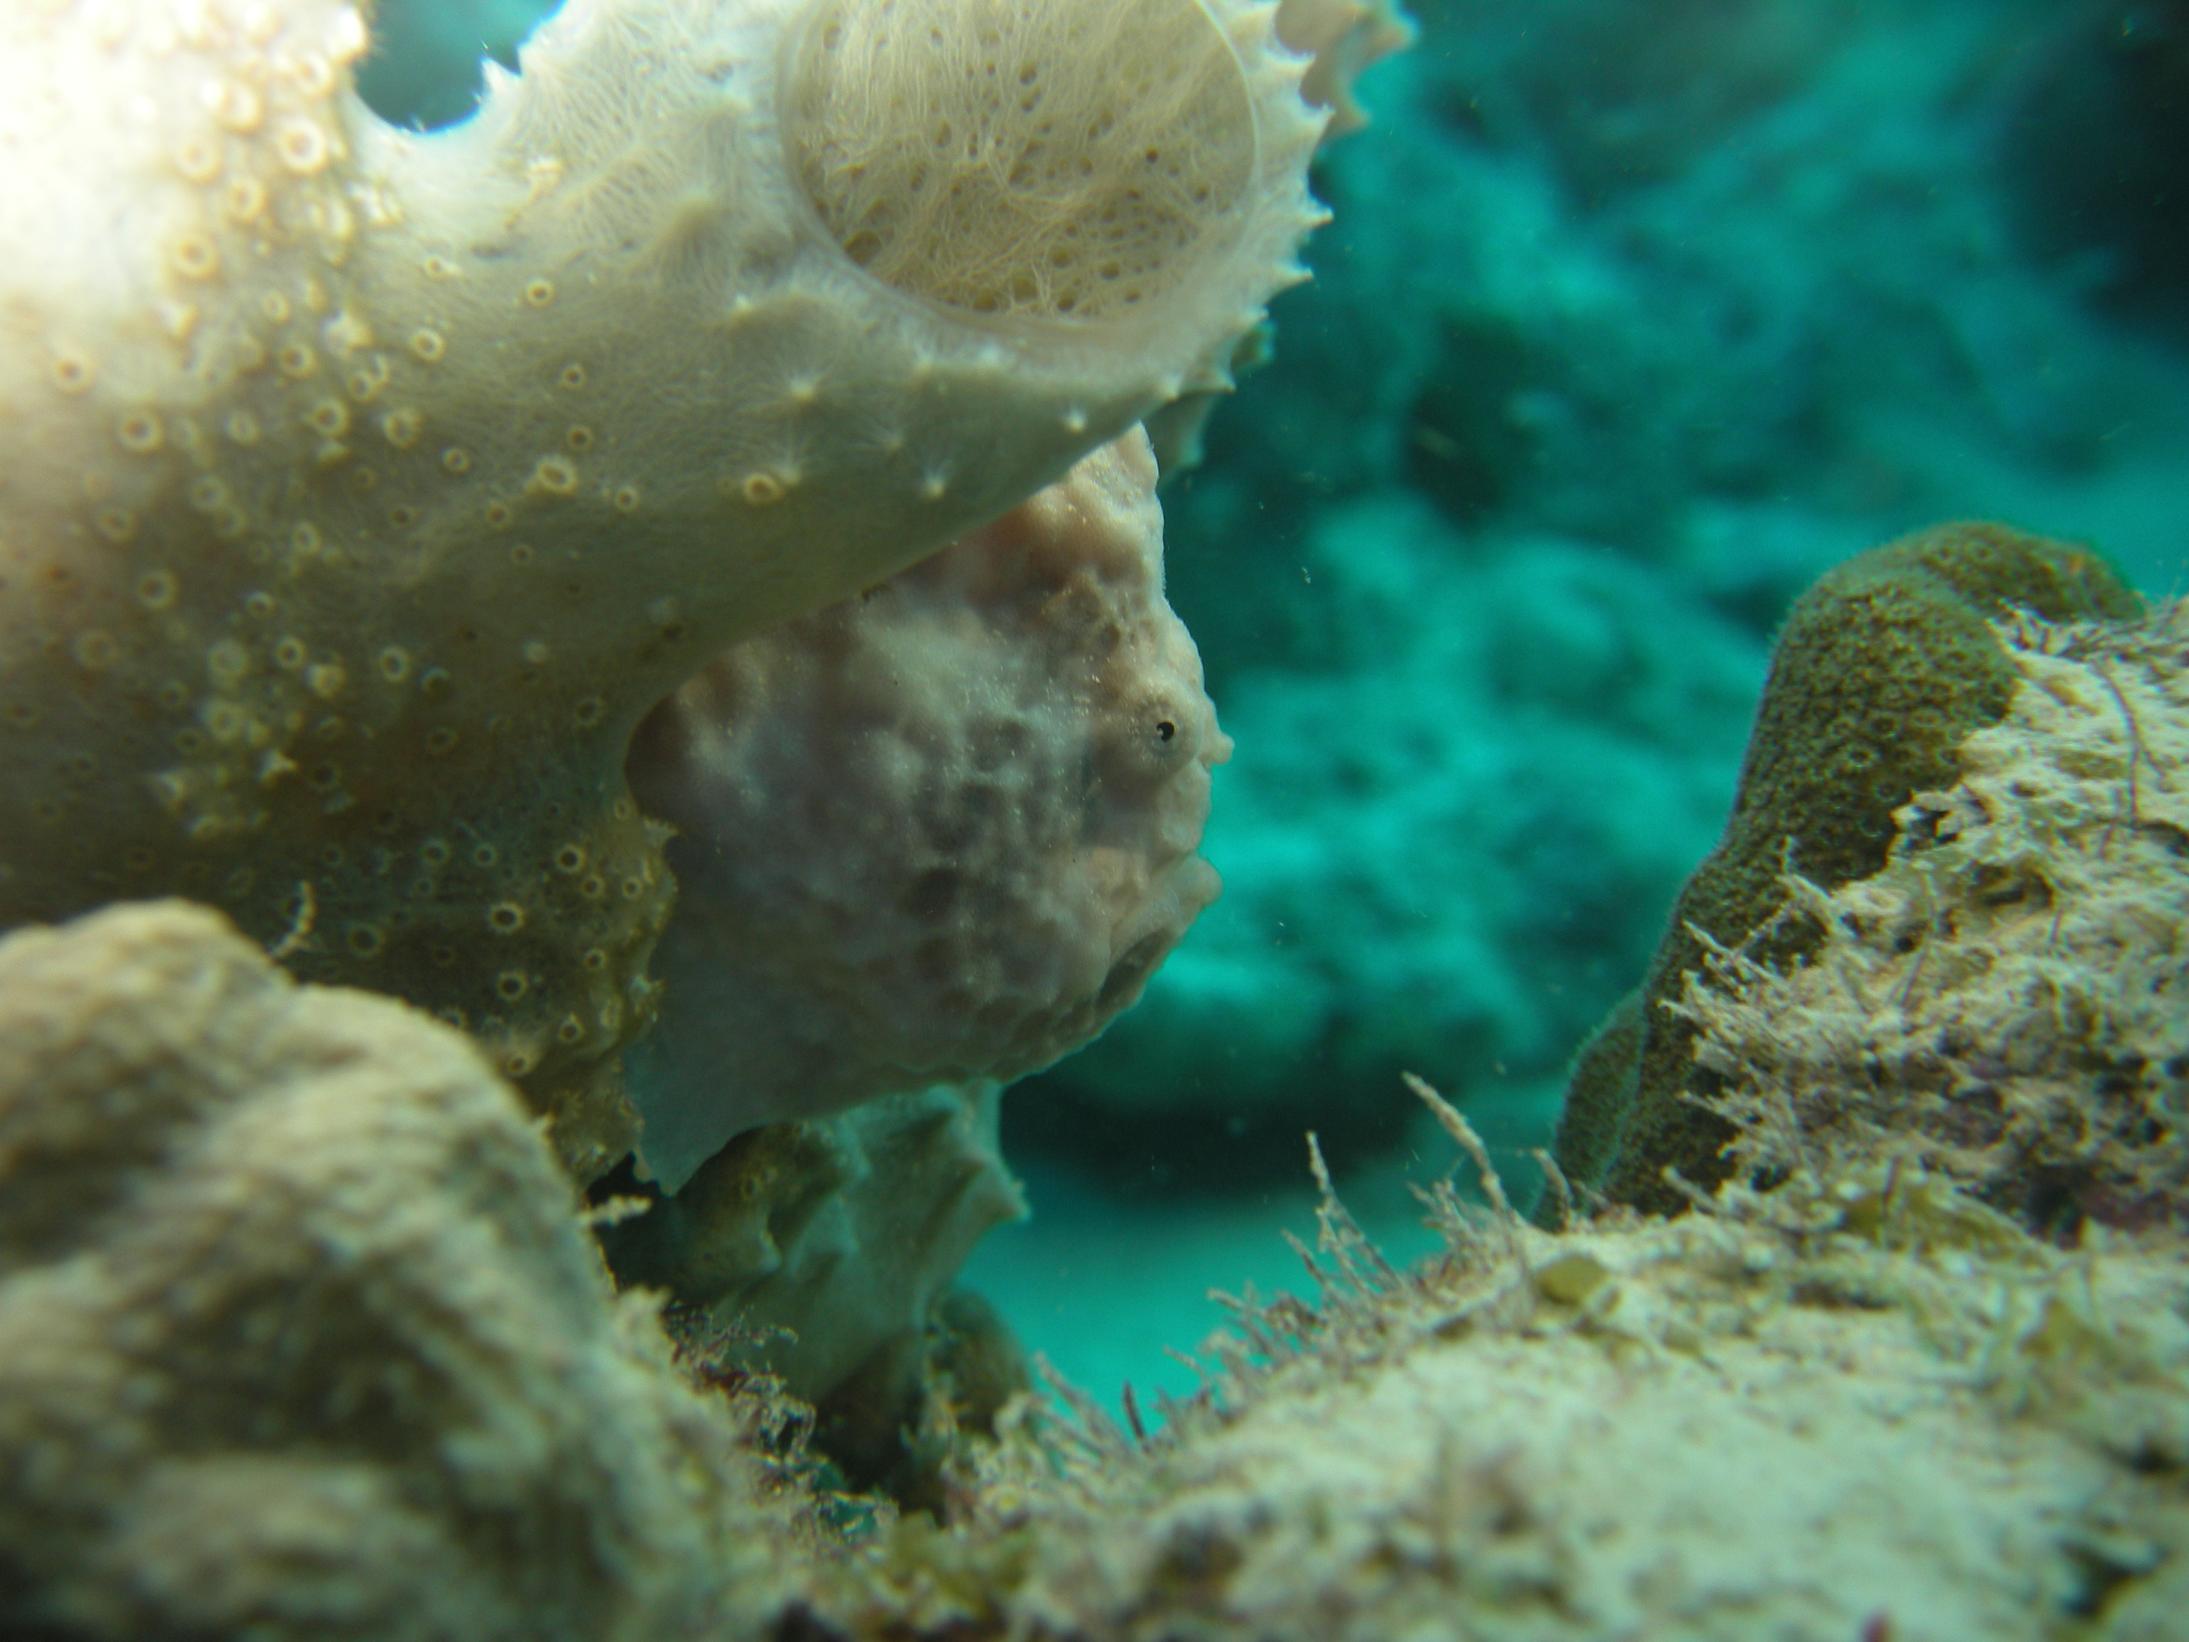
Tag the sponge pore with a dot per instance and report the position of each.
(1023, 158)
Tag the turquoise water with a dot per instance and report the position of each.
(1632, 320)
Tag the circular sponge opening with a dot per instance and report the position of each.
(1053, 159)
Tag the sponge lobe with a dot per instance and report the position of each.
(1016, 158)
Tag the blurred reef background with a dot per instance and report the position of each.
(1633, 321)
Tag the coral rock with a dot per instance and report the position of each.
(1862, 1405)
(1883, 669)
(2008, 999)
(300, 1335)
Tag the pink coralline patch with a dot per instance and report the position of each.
(939, 833)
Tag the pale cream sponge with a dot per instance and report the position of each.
(964, 150)
(365, 488)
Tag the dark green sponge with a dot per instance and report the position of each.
(1883, 668)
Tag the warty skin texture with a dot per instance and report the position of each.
(365, 488)
(942, 833)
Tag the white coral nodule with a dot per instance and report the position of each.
(364, 488)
